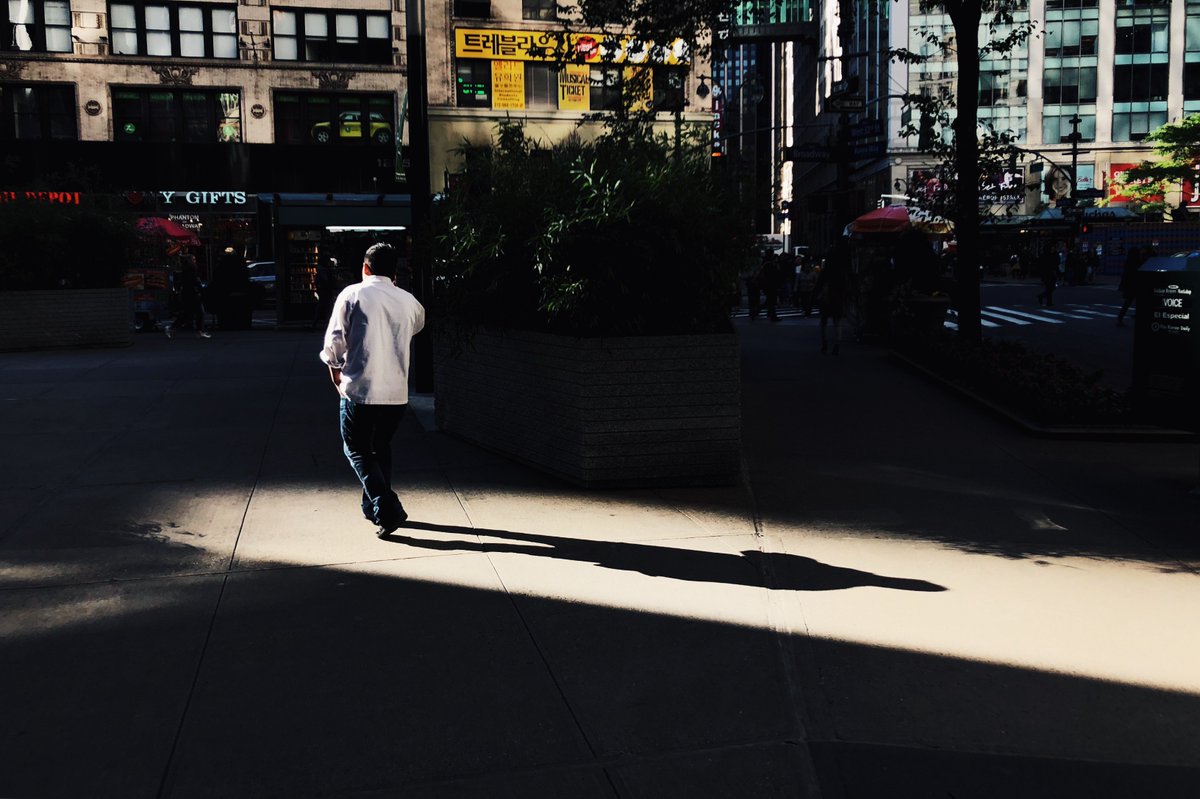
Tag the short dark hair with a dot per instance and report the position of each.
(382, 259)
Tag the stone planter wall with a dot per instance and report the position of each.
(67, 318)
(661, 410)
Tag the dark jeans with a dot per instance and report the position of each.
(367, 432)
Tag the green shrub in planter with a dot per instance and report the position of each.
(1042, 387)
(62, 247)
(621, 236)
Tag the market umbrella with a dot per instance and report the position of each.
(160, 226)
(899, 218)
(891, 219)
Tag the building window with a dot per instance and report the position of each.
(41, 111)
(541, 86)
(1133, 83)
(183, 115)
(999, 88)
(473, 9)
(187, 31)
(539, 9)
(1056, 125)
(349, 37)
(473, 83)
(605, 93)
(668, 89)
(335, 119)
(1191, 54)
(1072, 34)
(1135, 125)
(38, 26)
(1142, 30)
(1069, 85)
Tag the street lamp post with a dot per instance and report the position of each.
(1076, 211)
(419, 186)
(754, 87)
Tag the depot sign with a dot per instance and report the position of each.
(47, 197)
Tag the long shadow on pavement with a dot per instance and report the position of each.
(788, 572)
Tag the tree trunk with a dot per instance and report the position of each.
(966, 16)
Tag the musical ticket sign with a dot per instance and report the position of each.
(575, 87)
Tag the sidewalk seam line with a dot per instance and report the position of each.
(216, 611)
(533, 641)
(784, 640)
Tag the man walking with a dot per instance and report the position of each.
(367, 352)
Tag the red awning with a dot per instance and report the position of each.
(160, 226)
(899, 218)
(891, 219)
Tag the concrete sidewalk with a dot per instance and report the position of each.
(904, 599)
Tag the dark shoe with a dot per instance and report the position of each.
(384, 530)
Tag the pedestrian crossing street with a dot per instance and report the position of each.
(994, 316)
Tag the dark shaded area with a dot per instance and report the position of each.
(332, 682)
(119, 166)
(867, 771)
(750, 567)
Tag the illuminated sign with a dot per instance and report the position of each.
(718, 114)
(589, 48)
(49, 197)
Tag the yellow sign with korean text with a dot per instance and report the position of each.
(508, 85)
(574, 87)
(587, 48)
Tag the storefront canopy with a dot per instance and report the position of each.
(349, 210)
(1107, 213)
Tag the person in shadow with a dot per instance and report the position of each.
(1048, 272)
(190, 313)
(775, 570)
(833, 292)
(1128, 284)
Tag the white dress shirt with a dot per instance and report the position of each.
(368, 339)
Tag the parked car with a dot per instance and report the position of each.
(349, 126)
(262, 278)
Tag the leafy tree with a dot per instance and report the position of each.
(62, 247)
(981, 29)
(611, 237)
(1177, 146)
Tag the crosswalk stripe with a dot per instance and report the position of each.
(952, 320)
(1034, 317)
(995, 313)
(1065, 313)
(1096, 314)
